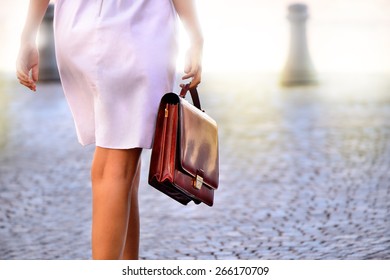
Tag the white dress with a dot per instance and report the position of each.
(116, 60)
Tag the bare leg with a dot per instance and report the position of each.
(131, 250)
(112, 173)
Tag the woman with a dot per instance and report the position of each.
(116, 59)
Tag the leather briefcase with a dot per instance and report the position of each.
(185, 159)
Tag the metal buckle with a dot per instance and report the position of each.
(198, 182)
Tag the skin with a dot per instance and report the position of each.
(114, 172)
(193, 67)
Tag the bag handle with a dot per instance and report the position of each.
(194, 95)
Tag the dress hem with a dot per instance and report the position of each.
(115, 147)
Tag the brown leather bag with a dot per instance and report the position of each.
(185, 160)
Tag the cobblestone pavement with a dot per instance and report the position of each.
(305, 174)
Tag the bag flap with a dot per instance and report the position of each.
(199, 144)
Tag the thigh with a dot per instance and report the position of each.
(116, 162)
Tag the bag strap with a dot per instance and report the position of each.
(194, 95)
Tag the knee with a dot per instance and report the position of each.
(115, 168)
(111, 171)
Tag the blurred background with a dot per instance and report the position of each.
(252, 35)
(304, 169)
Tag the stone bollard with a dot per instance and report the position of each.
(48, 70)
(299, 69)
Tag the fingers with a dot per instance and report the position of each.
(31, 86)
(35, 73)
(25, 80)
(193, 67)
(23, 74)
(195, 74)
(22, 77)
(27, 66)
(193, 71)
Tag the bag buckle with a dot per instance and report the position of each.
(198, 181)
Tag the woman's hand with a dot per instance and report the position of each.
(193, 65)
(28, 58)
(27, 65)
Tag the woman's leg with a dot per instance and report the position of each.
(113, 174)
(131, 250)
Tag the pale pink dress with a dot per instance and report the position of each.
(116, 59)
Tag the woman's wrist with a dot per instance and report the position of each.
(196, 41)
(28, 37)
(36, 12)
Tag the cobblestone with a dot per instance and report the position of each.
(304, 175)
